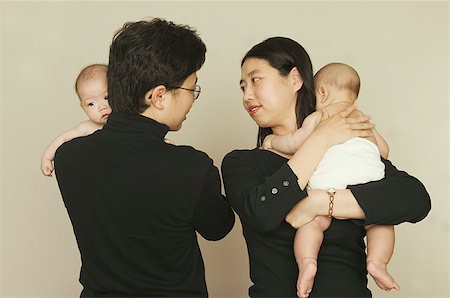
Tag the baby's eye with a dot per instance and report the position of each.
(90, 104)
(107, 97)
(242, 88)
(255, 79)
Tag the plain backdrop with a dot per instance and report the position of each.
(400, 49)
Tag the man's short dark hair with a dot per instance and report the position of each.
(146, 54)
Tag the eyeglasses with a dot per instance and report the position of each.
(196, 91)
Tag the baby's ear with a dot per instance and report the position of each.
(323, 94)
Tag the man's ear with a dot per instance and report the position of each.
(154, 97)
(297, 80)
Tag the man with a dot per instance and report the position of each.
(135, 201)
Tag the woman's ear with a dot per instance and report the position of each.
(297, 80)
(154, 97)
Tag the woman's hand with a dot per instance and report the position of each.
(340, 128)
(318, 203)
(303, 212)
(330, 131)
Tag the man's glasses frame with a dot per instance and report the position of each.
(196, 91)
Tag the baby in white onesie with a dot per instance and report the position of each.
(353, 162)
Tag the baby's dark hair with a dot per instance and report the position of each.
(90, 72)
(339, 75)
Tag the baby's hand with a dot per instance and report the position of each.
(169, 141)
(47, 167)
(267, 144)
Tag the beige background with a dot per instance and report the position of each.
(401, 50)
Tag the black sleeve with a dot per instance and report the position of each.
(397, 198)
(67, 173)
(213, 217)
(261, 202)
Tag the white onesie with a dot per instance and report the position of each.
(353, 162)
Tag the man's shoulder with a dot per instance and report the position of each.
(190, 153)
(76, 146)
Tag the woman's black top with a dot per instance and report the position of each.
(136, 204)
(262, 189)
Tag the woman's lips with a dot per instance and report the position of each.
(252, 110)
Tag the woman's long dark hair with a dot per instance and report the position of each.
(283, 54)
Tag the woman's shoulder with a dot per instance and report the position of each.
(240, 152)
(247, 153)
(253, 157)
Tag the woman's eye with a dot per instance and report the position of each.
(256, 79)
(107, 97)
(242, 88)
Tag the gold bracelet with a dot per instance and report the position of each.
(331, 192)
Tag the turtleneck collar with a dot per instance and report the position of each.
(135, 124)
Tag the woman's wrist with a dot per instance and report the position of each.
(331, 193)
(319, 201)
(341, 203)
(321, 142)
(306, 159)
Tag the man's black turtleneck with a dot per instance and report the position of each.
(136, 203)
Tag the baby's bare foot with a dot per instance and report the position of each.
(382, 278)
(307, 269)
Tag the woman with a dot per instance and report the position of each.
(267, 190)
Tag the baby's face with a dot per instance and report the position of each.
(94, 99)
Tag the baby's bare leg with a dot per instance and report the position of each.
(380, 247)
(307, 242)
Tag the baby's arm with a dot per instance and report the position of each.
(382, 144)
(288, 144)
(83, 129)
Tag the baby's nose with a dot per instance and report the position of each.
(103, 106)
